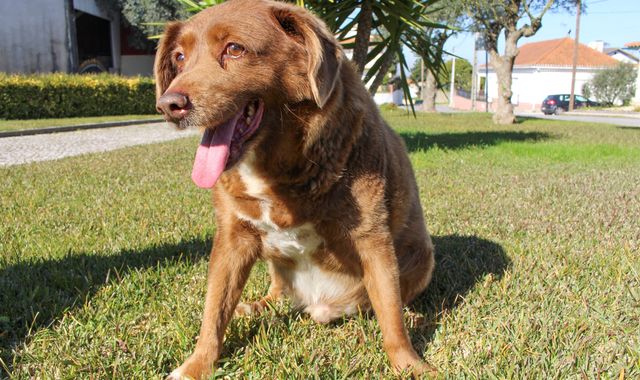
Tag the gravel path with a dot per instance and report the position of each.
(25, 149)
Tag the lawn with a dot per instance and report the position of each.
(536, 226)
(17, 125)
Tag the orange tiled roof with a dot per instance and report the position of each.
(632, 44)
(559, 52)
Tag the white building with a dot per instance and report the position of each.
(636, 47)
(544, 68)
(620, 54)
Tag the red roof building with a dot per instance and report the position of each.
(544, 68)
(559, 53)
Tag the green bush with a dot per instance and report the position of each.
(388, 107)
(65, 95)
(615, 85)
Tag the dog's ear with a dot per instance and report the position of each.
(163, 67)
(323, 51)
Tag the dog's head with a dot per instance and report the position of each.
(231, 64)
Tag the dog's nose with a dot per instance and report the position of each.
(174, 105)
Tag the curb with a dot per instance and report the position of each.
(604, 114)
(71, 128)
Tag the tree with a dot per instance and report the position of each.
(451, 15)
(430, 86)
(396, 23)
(462, 79)
(512, 19)
(464, 71)
(616, 84)
(143, 17)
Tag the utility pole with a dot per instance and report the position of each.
(474, 74)
(422, 84)
(452, 86)
(486, 79)
(575, 57)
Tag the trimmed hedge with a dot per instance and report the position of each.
(71, 95)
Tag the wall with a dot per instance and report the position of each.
(462, 103)
(623, 58)
(34, 36)
(137, 65)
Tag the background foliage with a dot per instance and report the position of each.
(463, 74)
(145, 18)
(616, 84)
(65, 95)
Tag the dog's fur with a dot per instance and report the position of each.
(324, 192)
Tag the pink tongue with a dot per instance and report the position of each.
(212, 154)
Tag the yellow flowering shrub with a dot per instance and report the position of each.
(70, 95)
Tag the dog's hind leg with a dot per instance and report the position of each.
(275, 292)
(416, 269)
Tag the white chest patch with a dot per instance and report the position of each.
(310, 284)
(295, 242)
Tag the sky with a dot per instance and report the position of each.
(613, 21)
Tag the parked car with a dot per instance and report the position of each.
(556, 104)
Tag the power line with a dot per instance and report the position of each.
(613, 12)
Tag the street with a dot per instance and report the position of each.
(633, 122)
(615, 120)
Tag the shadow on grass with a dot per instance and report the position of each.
(420, 141)
(523, 119)
(36, 294)
(630, 128)
(461, 262)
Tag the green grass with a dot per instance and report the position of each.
(103, 262)
(16, 125)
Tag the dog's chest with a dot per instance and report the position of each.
(294, 242)
(312, 286)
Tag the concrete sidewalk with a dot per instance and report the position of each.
(634, 115)
(44, 147)
(77, 127)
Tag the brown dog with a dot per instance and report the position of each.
(307, 174)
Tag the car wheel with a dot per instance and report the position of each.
(91, 66)
(559, 111)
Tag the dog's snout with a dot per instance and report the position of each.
(174, 105)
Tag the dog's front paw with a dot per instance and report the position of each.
(409, 362)
(423, 369)
(252, 308)
(178, 375)
(193, 368)
(248, 309)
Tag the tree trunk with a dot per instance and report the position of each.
(384, 69)
(429, 92)
(504, 69)
(361, 48)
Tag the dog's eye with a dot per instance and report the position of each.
(234, 50)
(179, 57)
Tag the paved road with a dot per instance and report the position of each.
(25, 149)
(621, 121)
